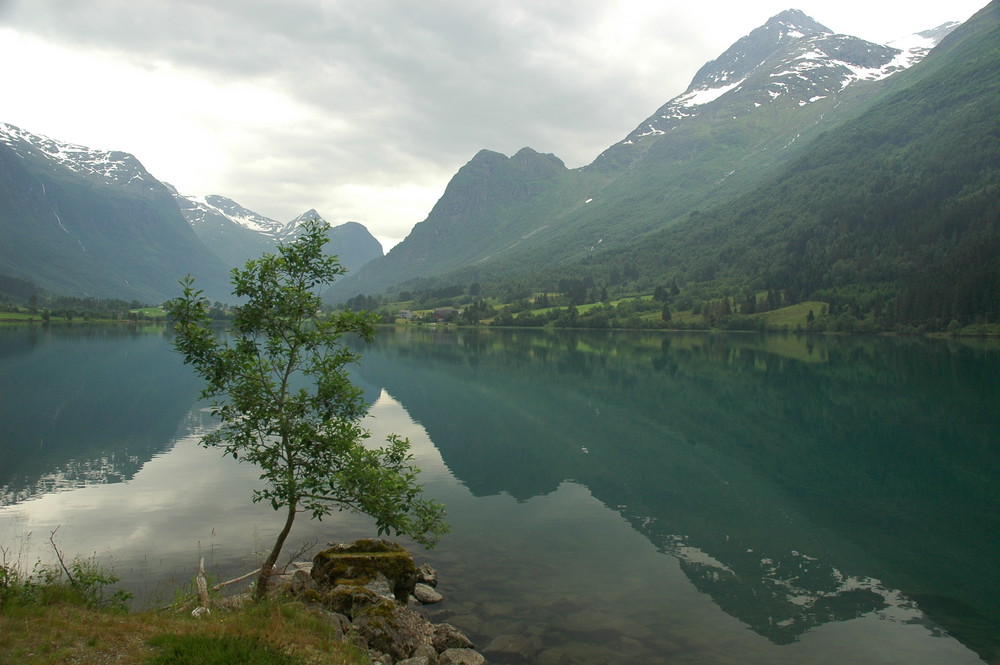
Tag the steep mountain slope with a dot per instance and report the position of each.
(212, 220)
(236, 233)
(493, 204)
(81, 222)
(353, 245)
(744, 115)
(893, 217)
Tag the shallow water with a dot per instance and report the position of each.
(616, 498)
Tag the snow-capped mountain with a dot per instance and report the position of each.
(83, 222)
(747, 113)
(308, 216)
(790, 61)
(111, 167)
(200, 209)
(236, 233)
(207, 211)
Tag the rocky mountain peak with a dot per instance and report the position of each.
(791, 61)
(750, 51)
(308, 216)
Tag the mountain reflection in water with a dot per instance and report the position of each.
(792, 477)
(799, 483)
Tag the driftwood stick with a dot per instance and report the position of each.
(234, 581)
(214, 588)
(202, 584)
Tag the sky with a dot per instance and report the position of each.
(365, 109)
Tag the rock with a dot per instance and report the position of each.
(470, 622)
(427, 575)
(446, 636)
(511, 649)
(237, 602)
(393, 629)
(300, 582)
(359, 563)
(552, 657)
(426, 651)
(381, 586)
(461, 657)
(416, 660)
(588, 621)
(358, 642)
(378, 658)
(200, 612)
(339, 623)
(426, 594)
(348, 600)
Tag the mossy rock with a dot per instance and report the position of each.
(361, 562)
(393, 629)
(349, 600)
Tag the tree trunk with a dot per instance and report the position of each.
(264, 579)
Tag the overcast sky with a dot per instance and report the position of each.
(364, 109)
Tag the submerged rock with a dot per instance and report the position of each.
(512, 649)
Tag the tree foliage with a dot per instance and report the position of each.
(280, 386)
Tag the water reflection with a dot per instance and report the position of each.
(837, 496)
(85, 405)
(798, 480)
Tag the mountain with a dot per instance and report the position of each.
(788, 63)
(892, 218)
(92, 223)
(237, 234)
(744, 115)
(217, 221)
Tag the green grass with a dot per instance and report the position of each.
(19, 317)
(72, 614)
(268, 634)
(793, 316)
(217, 650)
(150, 312)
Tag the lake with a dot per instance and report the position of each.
(615, 497)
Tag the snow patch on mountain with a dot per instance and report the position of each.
(111, 167)
(701, 96)
(791, 60)
(200, 210)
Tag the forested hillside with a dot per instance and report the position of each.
(887, 222)
(894, 217)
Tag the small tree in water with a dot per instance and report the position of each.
(306, 439)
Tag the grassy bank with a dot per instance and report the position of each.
(71, 613)
(268, 634)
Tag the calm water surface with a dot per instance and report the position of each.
(617, 498)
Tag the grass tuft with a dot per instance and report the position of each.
(216, 650)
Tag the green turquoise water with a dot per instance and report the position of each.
(614, 497)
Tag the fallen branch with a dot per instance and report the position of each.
(59, 555)
(234, 581)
